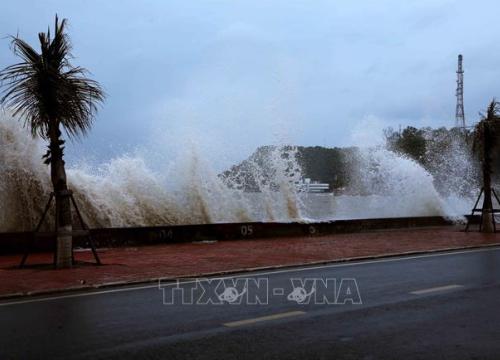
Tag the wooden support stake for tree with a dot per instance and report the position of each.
(86, 229)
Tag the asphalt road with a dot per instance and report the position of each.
(444, 305)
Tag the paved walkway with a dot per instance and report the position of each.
(134, 264)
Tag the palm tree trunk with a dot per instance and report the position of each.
(487, 214)
(64, 226)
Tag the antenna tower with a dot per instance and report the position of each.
(459, 114)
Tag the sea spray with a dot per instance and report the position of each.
(126, 191)
(123, 192)
(450, 159)
(389, 184)
(386, 184)
(269, 177)
(24, 181)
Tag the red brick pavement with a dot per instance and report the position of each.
(133, 264)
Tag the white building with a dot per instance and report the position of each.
(311, 186)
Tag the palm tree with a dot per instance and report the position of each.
(48, 93)
(485, 134)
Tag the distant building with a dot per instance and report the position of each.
(312, 186)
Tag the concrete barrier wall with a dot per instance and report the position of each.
(112, 237)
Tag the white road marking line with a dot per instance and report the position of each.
(263, 318)
(436, 289)
(249, 274)
(68, 296)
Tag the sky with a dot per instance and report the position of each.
(228, 76)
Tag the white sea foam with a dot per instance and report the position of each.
(126, 192)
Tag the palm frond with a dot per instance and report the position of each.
(487, 130)
(44, 87)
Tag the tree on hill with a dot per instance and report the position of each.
(410, 142)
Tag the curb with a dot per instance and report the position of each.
(110, 285)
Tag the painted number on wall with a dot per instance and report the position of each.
(166, 234)
(246, 230)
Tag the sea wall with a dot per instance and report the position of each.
(16, 242)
